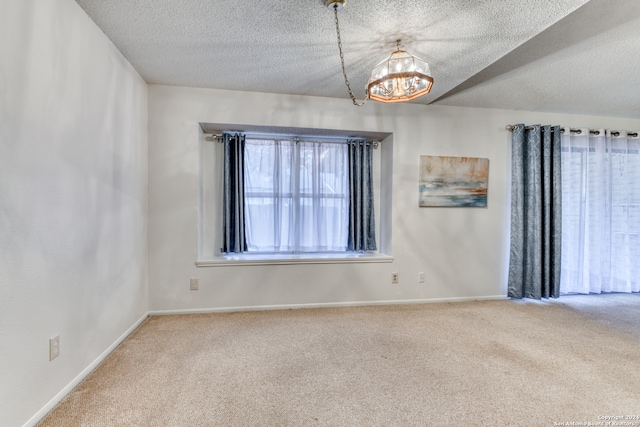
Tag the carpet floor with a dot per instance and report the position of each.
(494, 363)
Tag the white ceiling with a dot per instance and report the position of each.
(573, 56)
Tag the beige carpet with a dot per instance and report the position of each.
(495, 363)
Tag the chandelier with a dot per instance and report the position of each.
(401, 77)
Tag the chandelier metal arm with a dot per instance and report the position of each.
(344, 71)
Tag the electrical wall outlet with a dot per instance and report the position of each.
(194, 284)
(394, 277)
(421, 277)
(54, 347)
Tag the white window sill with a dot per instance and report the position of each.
(274, 259)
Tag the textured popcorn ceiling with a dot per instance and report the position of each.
(574, 56)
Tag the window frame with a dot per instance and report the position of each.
(209, 222)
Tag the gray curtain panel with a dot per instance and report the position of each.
(362, 233)
(233, 237)
(536, 209)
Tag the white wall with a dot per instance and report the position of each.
(463, 251)
(73, 201)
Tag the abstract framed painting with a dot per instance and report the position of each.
(453, 181)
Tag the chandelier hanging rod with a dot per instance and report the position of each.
(336, 6)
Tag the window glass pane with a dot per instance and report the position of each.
(600, 214)
(296, 196)
(268, 166)
(633, 173)
(266, 231)
(268, 195)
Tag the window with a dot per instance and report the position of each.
(600, 212)
(296, 195)
(320, 156)
(293, 195)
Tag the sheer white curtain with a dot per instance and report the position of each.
(296, 196)
(600, 212)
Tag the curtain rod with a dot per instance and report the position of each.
(578, 131)
(218, 138)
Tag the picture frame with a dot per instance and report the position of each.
(453, 181)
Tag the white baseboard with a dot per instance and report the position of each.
(63, 393)
(66, 390)
(322, 305)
